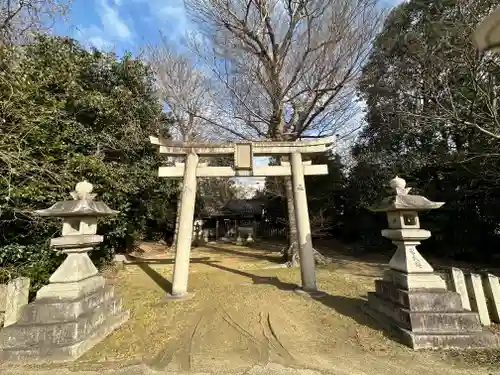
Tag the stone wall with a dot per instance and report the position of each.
(3, 302)
(13, 297)
(479, 292)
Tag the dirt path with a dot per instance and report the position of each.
(246, 319)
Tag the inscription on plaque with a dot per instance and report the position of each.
(243, 156)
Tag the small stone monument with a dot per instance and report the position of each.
(239, 239)
(412, 301)
(206, 235)
(77, 309)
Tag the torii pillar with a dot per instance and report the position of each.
(243, 160)
(185, 232)
(307, 265)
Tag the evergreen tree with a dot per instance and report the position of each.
(432, 118)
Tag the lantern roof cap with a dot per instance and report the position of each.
(83, 204)
(400, 200)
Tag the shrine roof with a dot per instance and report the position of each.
(236, 207)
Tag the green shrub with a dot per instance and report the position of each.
(32, 261)
(69, 114)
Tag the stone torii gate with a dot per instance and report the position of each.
(243, 167)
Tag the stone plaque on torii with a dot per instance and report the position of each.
(243, 154)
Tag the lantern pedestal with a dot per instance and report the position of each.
(77, 309)
(412, 301)
(408, 268)
(427, 319)
(63, 329)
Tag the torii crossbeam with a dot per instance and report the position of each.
(244, 153)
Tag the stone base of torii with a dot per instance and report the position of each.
(243, 167)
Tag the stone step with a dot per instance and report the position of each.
(479, 340)
(61, 333)
(426, 321)
(65, 352)
(419, 300)
(47, 311)
(463, 340)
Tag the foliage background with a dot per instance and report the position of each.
(431, 117)
(68, 114)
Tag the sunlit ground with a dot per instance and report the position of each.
(245, 313)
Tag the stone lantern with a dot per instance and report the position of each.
(408, 267)
(77, 275)
(411, 300)
(77, 309)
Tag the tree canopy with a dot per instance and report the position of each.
(432, 118)
(69, 114)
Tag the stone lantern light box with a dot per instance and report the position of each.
(79, 215)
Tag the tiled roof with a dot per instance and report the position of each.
(237, 207)
(247, 206)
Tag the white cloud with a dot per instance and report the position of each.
(111, 22)
(172, 12)
(111, 29)
(99, 42)
(169, 16)
(93, 36)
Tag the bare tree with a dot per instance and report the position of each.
(182, 87)
(20, 18)
(289, 67)
(187, 94)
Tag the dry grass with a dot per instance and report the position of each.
(243, 314)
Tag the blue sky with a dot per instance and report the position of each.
(125, 25)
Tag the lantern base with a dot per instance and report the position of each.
(410, 281)
(72, 290)
(420, 341)
(62, 329)
(427, 318)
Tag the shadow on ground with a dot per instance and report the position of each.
(347, 306)
(276, 258)
(270, 258)
(164, 284)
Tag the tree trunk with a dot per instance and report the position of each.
(291, 254)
